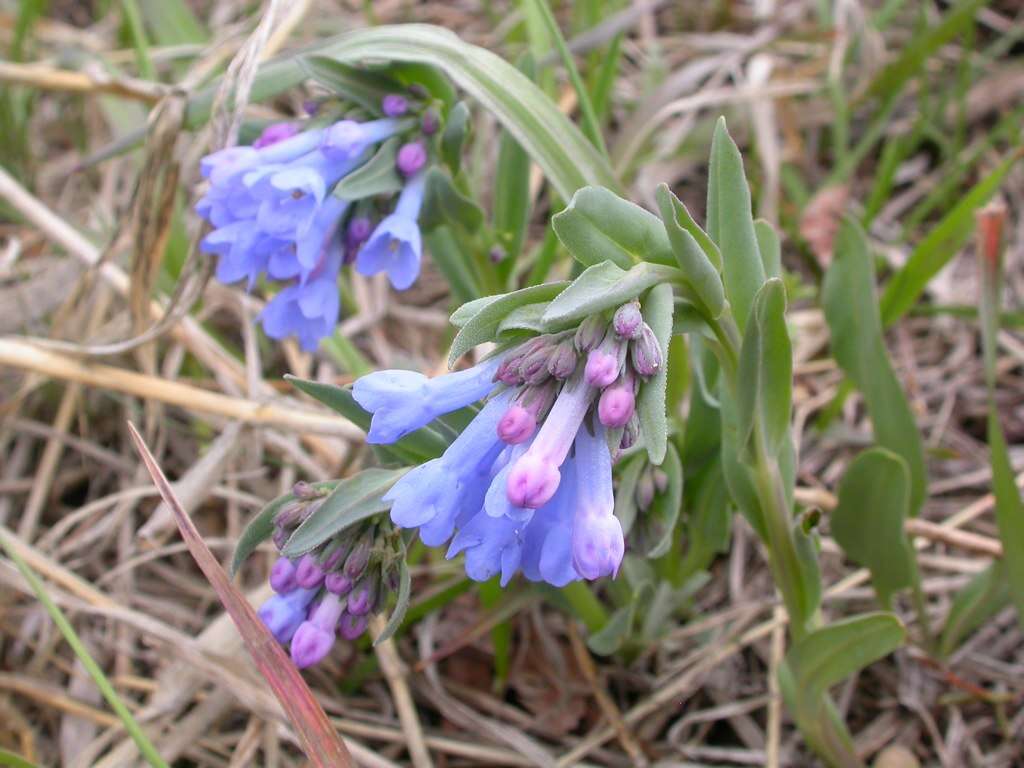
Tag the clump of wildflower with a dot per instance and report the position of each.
(274, 215)
(329, 592)
(527, 485)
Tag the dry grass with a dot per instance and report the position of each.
(76, 250)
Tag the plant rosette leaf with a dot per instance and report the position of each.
(604, 286)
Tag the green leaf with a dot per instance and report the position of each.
(172, 22)
(659, 522)
(736, 471)
(1009, 510)
(829, 655)
(448, 256)
(731, 224)
(483, 326)
(512, 189)
(615, 632)
(353, 500)
(604, 286)
(465, 313)
(697, 268)
(940, 245)
(625, 489)
(985, 595)
(765, 376)
(444, 204)
(770, 247)
(687, 222)
(378, 176)
(650, 404)
(401, 603)
(874, 499)
(14, 761)
(261, 527)
(599, 226)
(363, 87)
(423, 444)
(430, 78)
(529, 317)
(456, 129)
(851, 310)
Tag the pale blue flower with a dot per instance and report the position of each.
(396, 245)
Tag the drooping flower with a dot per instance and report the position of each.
(527, 485)
(396, 245)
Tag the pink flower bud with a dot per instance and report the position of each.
(352, 627)
(532, 481)
(338, 583)
(274, 133)
(616, 406)
(602, 368)
(646, 353)
(517, 425)
(411, 158)
(309, 574)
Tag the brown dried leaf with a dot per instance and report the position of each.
(820, 221)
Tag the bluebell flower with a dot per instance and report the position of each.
(403, 401)
(282, 614)
(432, 495)
(396, 245)
(512, 498)
(307, 310)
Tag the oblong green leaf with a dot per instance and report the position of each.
(599, 226)
(731, 224)
(444, 204)
(261, 527)
(377, 176)
(874, 500)
(512, 201)
(363, 87)
(353, 499)
(697, 268)
(456, 129)
(483, 325)
(604, 286)
(650, 404)
(851, 310)
(770, 247)
(1009, 511)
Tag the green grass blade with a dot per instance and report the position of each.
(130, 724)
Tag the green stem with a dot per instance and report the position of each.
(130, 724)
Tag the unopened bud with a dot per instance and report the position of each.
(517, 425)
(534, 367)
(590, 333)
(358, 558)
(497, 254)
(338, 583)
(309, 574)
(363, 596)
(411, 158)
(430, 123)
(630, 433)
(646, 354)
(282, 575)
(562, 362)
(351, 627)
(645, 490)
(628, 321)
(617, 404)
(660, 479)
(394, 105)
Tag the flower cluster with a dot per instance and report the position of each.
(528, 484)
(273, 213)
(328, 592)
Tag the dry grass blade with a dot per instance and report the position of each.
(321, 744)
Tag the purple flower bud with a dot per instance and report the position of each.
(394, 105)
(645, 490)
(274, 133)
(517, 425)
(338, 583)
(352, 627)
(309, 574)
(335, 555)
(628, 321)
(280, 536)
(660, 480)
(431, 122)
(602, 368)
(411, 158)
(646, 353)
(305, 491)
(311, 107)
(562, 361)
(291, 514)
(616, 406)
(497, 254)
(282, 575)
(315, 636)
(590, 333)
(597, 546)
(630, 433)
(534, 367)
(362, 596)
(358, 559)
(359, 230)
(418, 90)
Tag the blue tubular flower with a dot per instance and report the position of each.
(403, 401)
(307, 310)
(492, 545)
(597, 541)
(432, 496)
(348, 139)
(396, 246)
(547, 545)
(282, 614)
